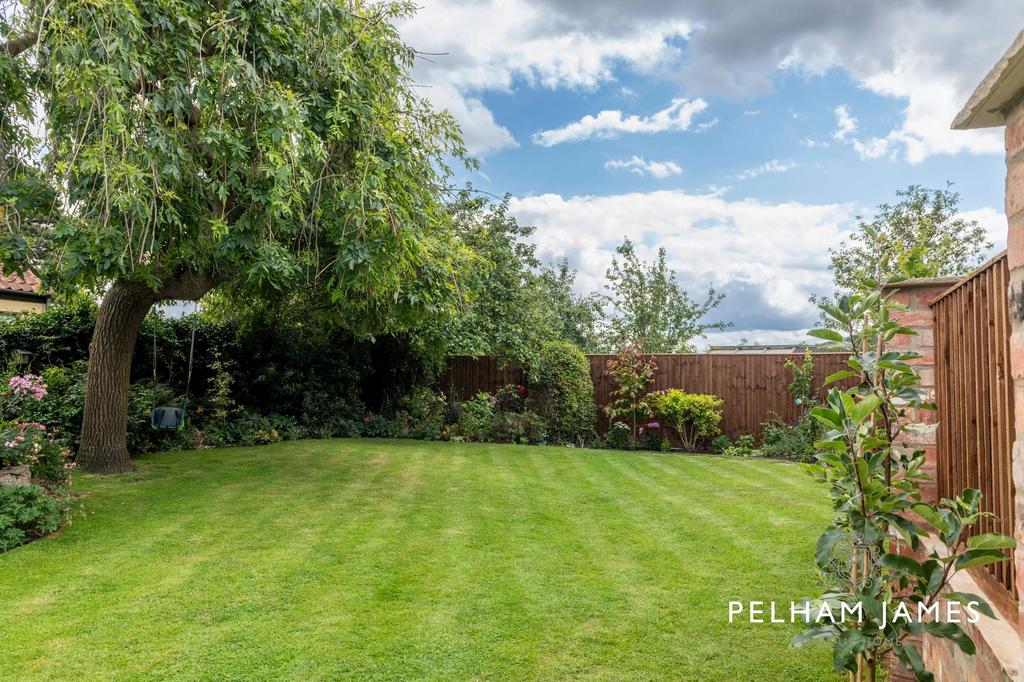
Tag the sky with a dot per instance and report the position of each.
(743, 137)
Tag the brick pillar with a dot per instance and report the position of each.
(918, 295)
(1014, 135)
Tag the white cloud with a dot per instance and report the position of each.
(773, 166)
(706, 125)
(873, 148)
(926, 55)
(612, 122)
(481, 132)
(641, 166)
(777, 254)
(751, 112)
(845, 123)
(493, 45)
(994, 222)
(813, 144)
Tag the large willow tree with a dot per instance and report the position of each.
(248, 146)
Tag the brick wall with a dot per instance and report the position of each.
(1014, 136)
(918, 295)
(997, 643)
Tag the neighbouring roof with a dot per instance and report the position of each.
(997, 92)
(768, 348)
(28, 284)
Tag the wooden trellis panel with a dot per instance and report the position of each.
(974, 393)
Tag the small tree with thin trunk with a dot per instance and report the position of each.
(631, 372)
(875, 489)
(251, 147)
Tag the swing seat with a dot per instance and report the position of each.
(167, 418)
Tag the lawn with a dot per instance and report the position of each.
(376, 559)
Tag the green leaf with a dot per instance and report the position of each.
(823, 551)
(847, 646)
(911, 658)
(840, 375)
(827, 335)
(950, 631)
(979, 557)
(903, 564)
(931, 515)
(821, 631)
(991, 541)
(966, 598)
(827, 417)
(864, 408)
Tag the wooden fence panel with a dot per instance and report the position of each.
(753, 386)
(974, 394)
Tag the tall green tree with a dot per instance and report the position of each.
(922, 234)
(514, 305)
(244, 146)
(576, 316)
(648, 309)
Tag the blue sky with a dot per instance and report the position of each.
(742, 138)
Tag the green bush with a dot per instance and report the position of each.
(27, 512)
(518, 427)
(791, 441)
(694, 416)
(379, 426)
(720, 443)
(651, 436)
(476, 416)
(618, 436)
(562, 393)
(743, 447)
(422, 416)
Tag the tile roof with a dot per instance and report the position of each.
(29, 284)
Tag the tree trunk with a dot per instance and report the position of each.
(104, 447)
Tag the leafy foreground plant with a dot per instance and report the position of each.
(874, 486)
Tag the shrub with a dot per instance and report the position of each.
(720, 443)
(30, 443)
(61, 409)
(651, 436)
(423, 415)
(27, 512)
(518, 427)
(561, 392)
(795, 441)
(475, 417)
(743, 447)
(617, 437)
(379, 426)
(791, 441)
(510, 398)
(694, 416)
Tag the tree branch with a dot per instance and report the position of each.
(14, 47)
(187, 286)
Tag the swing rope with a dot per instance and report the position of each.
(191, 355)
(191, 359)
